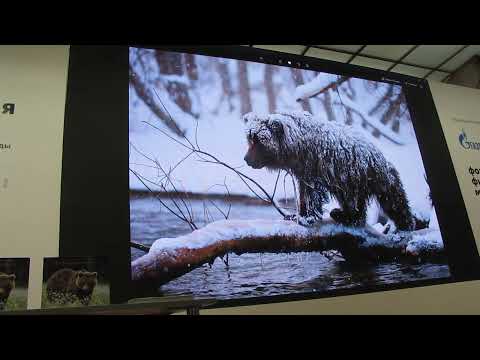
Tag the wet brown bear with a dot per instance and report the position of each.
(7, 284)
(67, 285)
(327, 160)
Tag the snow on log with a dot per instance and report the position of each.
(170, 258)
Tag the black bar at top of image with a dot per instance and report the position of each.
(94, 219)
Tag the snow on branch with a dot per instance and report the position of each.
(316, 87)
(170, 258)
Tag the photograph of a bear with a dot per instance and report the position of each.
(7, 284)
(68, 286)
(328, 159)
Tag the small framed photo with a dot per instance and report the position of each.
(14, 276)
(75, 282)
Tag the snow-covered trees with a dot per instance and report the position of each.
(382, 117)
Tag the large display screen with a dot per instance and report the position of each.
(252, 180)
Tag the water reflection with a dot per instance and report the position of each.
(251, 275)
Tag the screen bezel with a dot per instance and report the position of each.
(107, 112)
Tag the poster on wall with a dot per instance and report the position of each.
(470, 143)
(461, 124)
(254, 180)
(32, 104)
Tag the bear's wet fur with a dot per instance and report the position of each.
(7, 284)
(68, 286)
(327, 159)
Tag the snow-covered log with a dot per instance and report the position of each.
(170, 258)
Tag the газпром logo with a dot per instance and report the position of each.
(469, 145)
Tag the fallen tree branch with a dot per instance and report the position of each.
(171, 258)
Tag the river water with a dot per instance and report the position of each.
(251, 275)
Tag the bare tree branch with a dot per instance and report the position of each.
(242, 176)
(139, 246)
(144, 93)
(183, 218)
(333, 85)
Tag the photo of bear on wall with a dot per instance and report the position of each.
(14, 275)
(253, 180)
(75, 282)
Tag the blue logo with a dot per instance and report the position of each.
(469, 145)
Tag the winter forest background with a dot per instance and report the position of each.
(203, 98)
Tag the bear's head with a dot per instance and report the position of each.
(7, 283)
(265, 136)
(85, 280)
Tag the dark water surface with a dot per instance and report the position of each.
(261, 274)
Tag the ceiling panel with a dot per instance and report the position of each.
(462, 58)
(328, 54)
(410, 70)
(437, 75)
(371, 63)
(291, 49)
(349, 48)
(431, 55)
(393, 52)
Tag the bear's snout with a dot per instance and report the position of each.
(250, 162)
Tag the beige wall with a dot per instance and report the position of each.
(460, 298)
(459, 109)
(34, 78)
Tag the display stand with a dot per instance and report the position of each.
(147, 306)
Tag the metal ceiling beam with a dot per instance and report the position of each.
(446, 60)
(306, 49)
(399, 61)
(356, 54)
(396, 62)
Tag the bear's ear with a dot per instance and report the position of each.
(248, 117)
(94, 274)
(277, 128)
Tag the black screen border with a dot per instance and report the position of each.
(98, 77)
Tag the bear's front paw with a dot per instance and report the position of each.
(338, 215)
(306, 221)
(293, 217)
